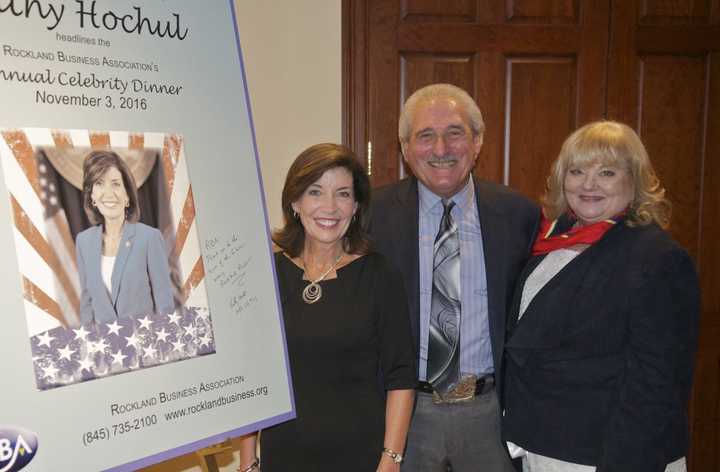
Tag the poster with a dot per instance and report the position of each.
(141, 318)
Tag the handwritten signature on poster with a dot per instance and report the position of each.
(227, 265)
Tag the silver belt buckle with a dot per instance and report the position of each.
(462, 391)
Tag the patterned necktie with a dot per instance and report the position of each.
(444, 339)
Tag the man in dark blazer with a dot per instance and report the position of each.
(441, 133)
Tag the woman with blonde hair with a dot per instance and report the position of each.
(604, 320)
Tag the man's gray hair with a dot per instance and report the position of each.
(436, 91)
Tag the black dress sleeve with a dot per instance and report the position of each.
(396, 350)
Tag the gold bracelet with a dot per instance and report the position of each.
(395, 456)
(251, 467)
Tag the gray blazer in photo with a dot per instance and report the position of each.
(140, 279)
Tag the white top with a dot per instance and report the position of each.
(537, 463)
(107, 263)
(546, 270)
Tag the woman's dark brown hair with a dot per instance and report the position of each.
(95, 165)
(308, 167)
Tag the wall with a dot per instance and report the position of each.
(292, 55)
(292, 61)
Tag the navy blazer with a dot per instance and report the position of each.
(599, 368)
(508, 222)
(140, 279)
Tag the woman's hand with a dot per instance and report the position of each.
(387, 465)
(248, 449)
(249, 467)
(398, 410)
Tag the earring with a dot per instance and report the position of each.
(295, 214)
(94, 203)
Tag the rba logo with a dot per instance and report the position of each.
(17, 448)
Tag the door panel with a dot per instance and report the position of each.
(493, 49)
(541, 112)
(672, 111)
(683, 12)
(664, 80)
(424, 10)
(548, 12)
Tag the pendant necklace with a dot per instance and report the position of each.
(313, 291)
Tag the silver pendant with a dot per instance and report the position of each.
(312, 293)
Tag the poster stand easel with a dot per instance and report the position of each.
(208, 455)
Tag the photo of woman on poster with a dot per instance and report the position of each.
(108, 251)
(122, 263)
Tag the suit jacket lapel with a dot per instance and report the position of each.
(126, 242)
(514, 312)
(547, 322)
(494, 229)
(95, 254)
(552, 314)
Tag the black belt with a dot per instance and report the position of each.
(483, 385)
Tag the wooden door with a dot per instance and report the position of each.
(664, 80)
(539, 69)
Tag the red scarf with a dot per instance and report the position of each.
(551, 237)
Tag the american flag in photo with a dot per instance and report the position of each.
(45, 248)
(63, 356)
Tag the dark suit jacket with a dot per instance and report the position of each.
(140, 279)
(508, 222)
(599, 368)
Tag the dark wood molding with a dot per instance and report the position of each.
(354, 76)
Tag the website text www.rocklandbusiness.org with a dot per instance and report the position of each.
(222, 400)
(133, 416)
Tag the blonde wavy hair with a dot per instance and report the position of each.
(616, 144)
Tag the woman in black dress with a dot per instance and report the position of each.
(346, 324)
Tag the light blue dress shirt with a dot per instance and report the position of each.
(475, 348)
